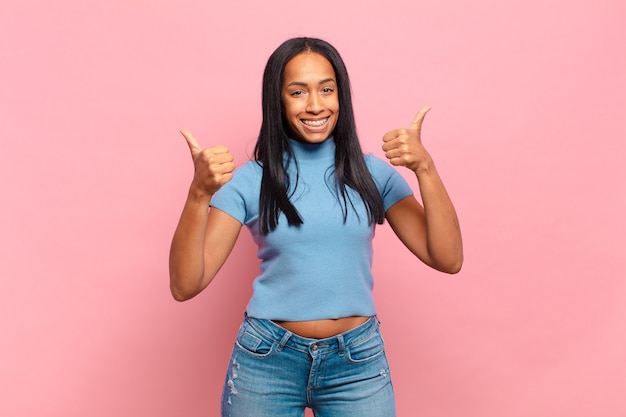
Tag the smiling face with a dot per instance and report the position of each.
(310, 97)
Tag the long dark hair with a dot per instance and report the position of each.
(273, 142)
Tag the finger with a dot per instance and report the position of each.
(393, 134)
(217, 149)
(221, 158)
(387, 146)
(419, 117)
(224, 168)
(393, 153)
(194, 147)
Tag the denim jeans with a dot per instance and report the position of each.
(275, 373)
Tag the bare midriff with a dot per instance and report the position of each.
(321, 329)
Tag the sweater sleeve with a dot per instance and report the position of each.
(391, 185)
(239, 196)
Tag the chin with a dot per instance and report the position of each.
(313, 138)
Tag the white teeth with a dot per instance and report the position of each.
(315, 123)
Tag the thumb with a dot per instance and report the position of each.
(419, 118)
(194, 147)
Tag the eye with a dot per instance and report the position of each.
(327, 90)
(296, 93)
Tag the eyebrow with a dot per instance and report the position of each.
(303, 84)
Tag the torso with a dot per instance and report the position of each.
(301, 266)
(321, 329)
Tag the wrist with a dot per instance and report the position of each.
(199, 196)
(425, 169)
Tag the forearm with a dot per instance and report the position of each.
(186, 262)
(431, 232)
(443, 234)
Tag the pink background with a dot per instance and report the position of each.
(527, 129)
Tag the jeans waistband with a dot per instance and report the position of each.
(284, 337)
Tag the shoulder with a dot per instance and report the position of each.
(246, 179)
(249, 168)
(377, 166)
(239, 197)
(391, 185)
(247, 174)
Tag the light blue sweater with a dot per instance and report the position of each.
(322, 268)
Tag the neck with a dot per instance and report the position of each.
(305, 151)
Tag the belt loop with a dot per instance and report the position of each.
(342, 345)
(284, 340)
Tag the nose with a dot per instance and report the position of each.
(314, 104)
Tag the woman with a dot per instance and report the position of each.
(311, 200)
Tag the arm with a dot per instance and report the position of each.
(203, 238)
(430, 232)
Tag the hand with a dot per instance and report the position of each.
(213, 166)
(403, 147)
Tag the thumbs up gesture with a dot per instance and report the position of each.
(403, 147)
(213, 166)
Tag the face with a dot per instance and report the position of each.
(310, 97)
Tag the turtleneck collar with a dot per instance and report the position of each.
(319, 152)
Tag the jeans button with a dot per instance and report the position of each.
(314, 347)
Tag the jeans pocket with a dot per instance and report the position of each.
(253, 343)
(367, 350)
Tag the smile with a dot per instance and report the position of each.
(315, 123)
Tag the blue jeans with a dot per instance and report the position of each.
(275, 373)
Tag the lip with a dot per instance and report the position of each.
(315, 124)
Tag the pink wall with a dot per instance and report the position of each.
(527, 129)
